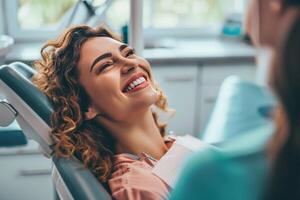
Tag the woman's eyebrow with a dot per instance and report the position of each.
(103, 56)
(122, 47)
(106, 55)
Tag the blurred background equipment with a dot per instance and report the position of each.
(6, 43)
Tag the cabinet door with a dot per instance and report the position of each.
(215, 74)
(25, 177)
(179, 84)
(207, 102)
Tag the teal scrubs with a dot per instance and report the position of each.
(237, 172)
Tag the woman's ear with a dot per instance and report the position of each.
(91, 113)
(276, 6)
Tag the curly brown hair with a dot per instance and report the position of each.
(58, 78)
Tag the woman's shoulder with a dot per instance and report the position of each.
(133, 175)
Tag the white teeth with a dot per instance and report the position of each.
(135, 83)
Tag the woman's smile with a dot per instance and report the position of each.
(139, 87)
(135, 83)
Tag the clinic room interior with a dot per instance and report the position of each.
(149, 99)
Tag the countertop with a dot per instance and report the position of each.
(203, 51)
(31, 148)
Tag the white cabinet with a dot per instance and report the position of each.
(211, 79)
(180, 85)
(207, 98)
(214, 74)
(25, 174)
(1, 19)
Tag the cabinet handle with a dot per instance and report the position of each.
(186, 78)
(210, 100)
(35, 172)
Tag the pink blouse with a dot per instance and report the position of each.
(132, 178)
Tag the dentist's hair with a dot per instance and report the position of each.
(285, 80)
(288, 3)
(58, 78)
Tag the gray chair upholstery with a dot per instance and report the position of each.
(72, 180)
(10, 132)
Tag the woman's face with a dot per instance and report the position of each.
(262, 21)
(118, 82)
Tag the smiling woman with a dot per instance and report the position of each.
(102, 94)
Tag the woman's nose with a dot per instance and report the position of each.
(129, 67)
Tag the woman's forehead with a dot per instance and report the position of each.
(101, 43)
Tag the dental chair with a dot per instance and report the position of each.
(241, 107)
(32, 110)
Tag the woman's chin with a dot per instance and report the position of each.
(143, 98)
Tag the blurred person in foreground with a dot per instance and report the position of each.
(259, 165)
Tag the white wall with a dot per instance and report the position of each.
(1, 17)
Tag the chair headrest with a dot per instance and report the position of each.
(33, 108)
(18, 76)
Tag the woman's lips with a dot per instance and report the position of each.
(135, 82)
(139, 87)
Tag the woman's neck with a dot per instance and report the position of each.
(140, 135)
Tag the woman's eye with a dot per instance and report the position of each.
(104, 67)
(129, 53)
